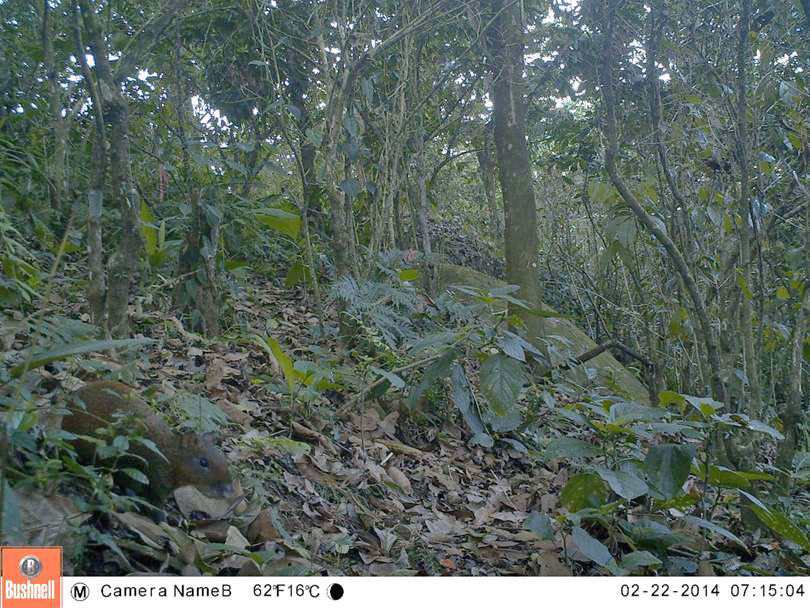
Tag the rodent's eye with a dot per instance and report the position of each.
(204, 463)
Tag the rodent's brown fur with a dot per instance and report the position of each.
(191, 458)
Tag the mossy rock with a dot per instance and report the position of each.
(610, 376)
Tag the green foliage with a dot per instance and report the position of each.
(649, 456)
(20, 276)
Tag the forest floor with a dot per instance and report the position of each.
(330, 486)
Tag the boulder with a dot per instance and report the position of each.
(602, 373)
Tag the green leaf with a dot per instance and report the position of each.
(702, 523)
(351, 187)
(761, 427)
(625, 484)
(69, 350)
(777, 522)
(540, 525)
(599, 192)
(512, 345)
(582, 491)
(501, 381)
(296, 449)
(292, 376)
(666, 398)
(743, 285)
(409, 274)
(148, 230)
(782, 293)
(483, 439)
(721, 476)
(136, 475)
(395, 380)
(295, 274)
(283, 221)
(462, 398)
(639, 559)
(568, 447)
(667, 467)
(622, 229)
(705, 405)
(438, 369)
(591, 548)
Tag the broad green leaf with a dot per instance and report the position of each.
(507, 423)
(625, 484)
(591, 547)
(777, 522)
(743, 285)
(483, 439)
(136, 475)
(511, 345)
(761, 427)
(705, 405)
(790, 93)
(679, 502)
(540, 525)
(351, 187)
(12, 516)
(583, 491)
(667, 467)
(283, 221)
(409, 274)
(721, 476)
(639, 559)
(501, 381)
(666, 398)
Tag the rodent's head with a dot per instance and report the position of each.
(202, 464)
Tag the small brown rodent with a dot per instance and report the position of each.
(191, 458)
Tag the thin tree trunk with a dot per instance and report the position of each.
(505, 37)
(744, 209)
(56, 166)
(97, 283)
(486, 168)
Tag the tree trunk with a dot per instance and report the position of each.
(56, 166)
(505, 38)
(486, 168)
(97, 282)
(123, 263)
(198, 290)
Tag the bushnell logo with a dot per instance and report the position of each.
(30, 566)
(32, 577)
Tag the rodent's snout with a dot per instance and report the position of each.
(222, 489)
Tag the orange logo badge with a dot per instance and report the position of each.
(31, 577)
